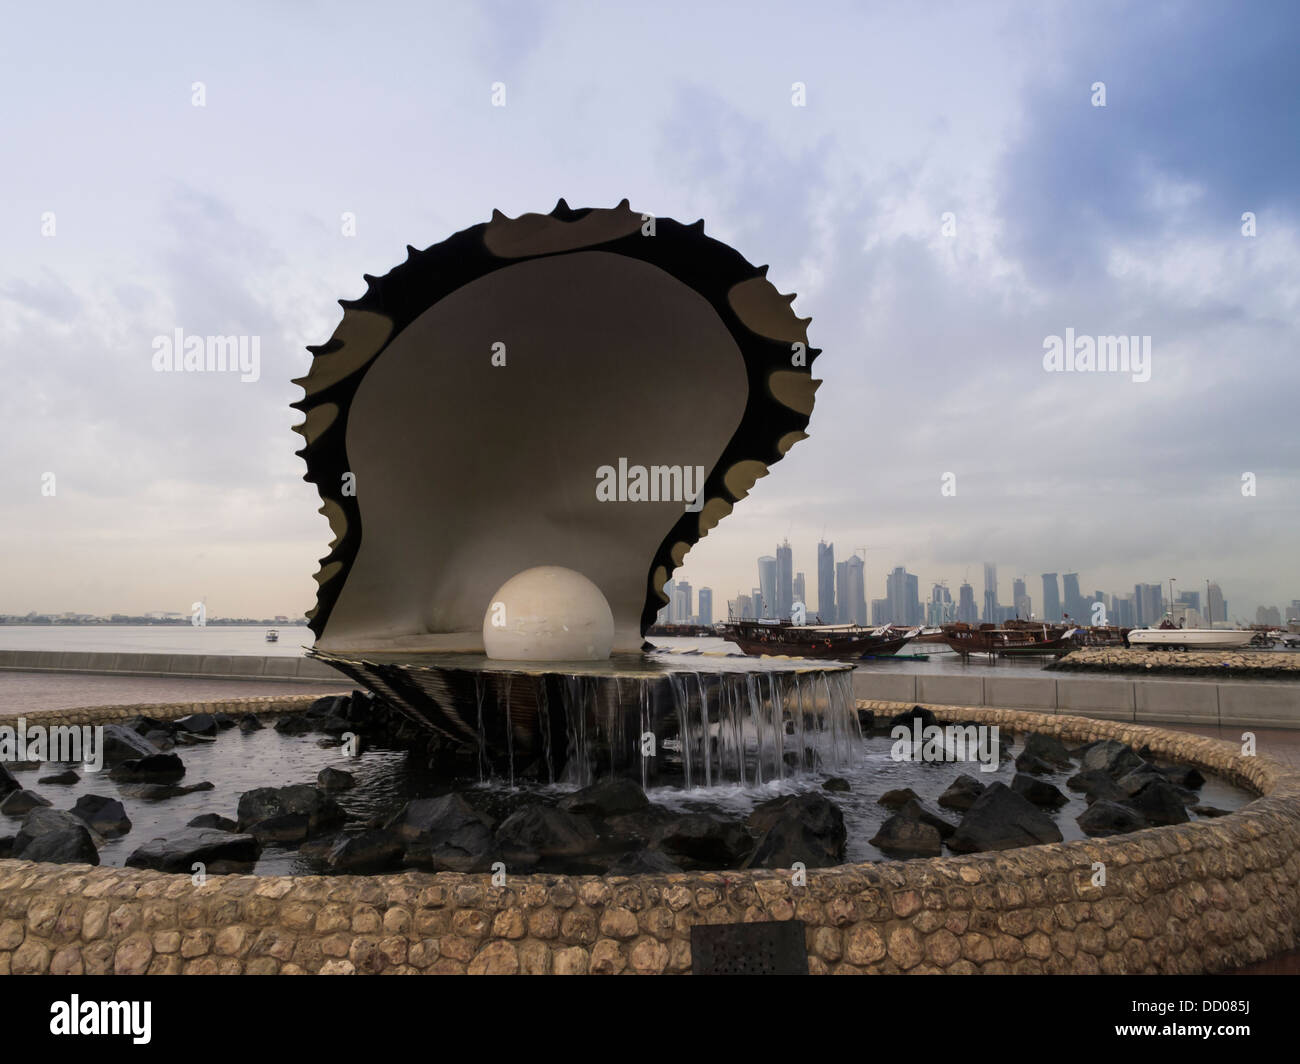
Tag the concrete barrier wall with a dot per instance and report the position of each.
(205, 666)
(1138, 701)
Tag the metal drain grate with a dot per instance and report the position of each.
(775, 948)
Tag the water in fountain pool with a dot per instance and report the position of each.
(386, 779)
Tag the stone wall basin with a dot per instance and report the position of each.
(1205, 896)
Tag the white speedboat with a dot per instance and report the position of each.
(1190, 638)
(272, 635)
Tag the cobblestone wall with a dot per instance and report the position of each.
(1195, 897)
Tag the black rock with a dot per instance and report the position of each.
(608, 797)
(335, 779)
(917, 811)
(642, 862)
(266, 803)
(214, 821)
(1209, 811)
(962, 793)
(1105, 817)
(905, 836)
(22, 802)
(7, 782)
(1036, 766)
(1132, 782)
(146, 725)
(1097, 785)
(55, 836)
(157, 792)
(706, 840)
(539, 831)
(293, 724)
(217, 851)
(866, 719)
(371, 851)
(1183, 776)
(156, 768)
(198, 724)
(808, 828)
(1112, 756)
(836, 783)
(1047, 748)
(896, 799)
(224, 720)
(249, 723)
(162, 740)
(1040, 792)
(106, 816)
(926, 717)
(184, 738)
(123, 744)
(1160, 803)
(66, 777)
(286, 829)
(446, 834)
(6, 846)
(1001, 819)
(329, 706)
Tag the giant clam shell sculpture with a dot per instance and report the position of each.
(530, 393)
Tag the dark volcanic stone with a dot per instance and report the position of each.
(1001, 819)
(446, 834)
(157, 792)
(1026, 762)
(1097, 785)
(1112, 756)
(329, 706)
(224, 720)
(198, 724)
(837, 784)
(896, 799)
(904, 836)
(285, 829)
(1040, 792)
(706, 840)
(6, 846)
(145, 725)
(7, 782)
(66, 777)
(266, 803)
(1105, 817)
(293, 724)
(808, 828)
(1160, 803)
(217, 851)
(962, 793)
(156, 768)
(539, 831)
(20, 803)
(55, 836)
(926, 717)
(1209, 811)
(123, 744)
(371, 851)
(607, 797)
(1183, 776)
(642, 862)
(249, 723)
(1047, 748)
(107, 816)
(214, 821)
(1132, 782)
(917, 811)
(335, 779)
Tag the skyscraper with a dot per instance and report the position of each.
(767, 585)
(1051, 598)
(941, 609)
(857, 590)
(966, 611)
(902, 593)
(826, 581)
(682, 600)
(705, 606)
(990, 593)
(1075, 604)
(1216, 608)
(801, 591)
(784, 579)
(1149, 604)
(1020, 599)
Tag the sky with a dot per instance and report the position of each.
(949, 195)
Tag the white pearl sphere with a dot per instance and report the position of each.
(548, 613)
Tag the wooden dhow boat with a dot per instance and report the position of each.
(836, 642)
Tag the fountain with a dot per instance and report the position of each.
(517, 435)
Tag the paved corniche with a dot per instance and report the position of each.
(1245, 664)
(201, 666)
(1205, 896)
